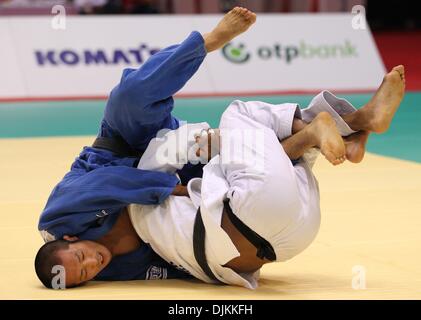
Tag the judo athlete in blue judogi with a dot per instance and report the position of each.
(89, 203)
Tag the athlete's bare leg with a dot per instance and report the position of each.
(375, 116)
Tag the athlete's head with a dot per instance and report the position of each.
(80, 261)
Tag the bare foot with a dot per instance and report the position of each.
(355, 146)
(327, 138)
(378, 113)
(235, 22)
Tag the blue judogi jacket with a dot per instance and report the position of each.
(87, 202)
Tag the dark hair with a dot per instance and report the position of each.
(47, 258)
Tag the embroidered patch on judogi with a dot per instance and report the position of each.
(156, 273)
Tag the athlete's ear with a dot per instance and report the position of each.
(69, 238)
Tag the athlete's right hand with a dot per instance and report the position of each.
(208, 144)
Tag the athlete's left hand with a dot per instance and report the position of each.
(180, 190)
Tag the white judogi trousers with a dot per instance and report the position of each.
(273, 197)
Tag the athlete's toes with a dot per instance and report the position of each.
(235, 11)
(238, 10)
(400, 68)
(249, 13)
(338, 161)
(334, 158)
(330, 157)
(251, 16)
(245, 12)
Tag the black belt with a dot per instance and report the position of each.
(199, 235)
(264, 248)
(116, 145)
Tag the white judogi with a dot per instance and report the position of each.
(277, 200)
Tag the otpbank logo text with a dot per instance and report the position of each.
(240, 53)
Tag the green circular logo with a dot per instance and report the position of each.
(235, 54)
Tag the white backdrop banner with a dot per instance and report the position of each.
(280, 53)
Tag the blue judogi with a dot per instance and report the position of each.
(87, 202)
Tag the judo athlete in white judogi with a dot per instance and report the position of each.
(276, 198)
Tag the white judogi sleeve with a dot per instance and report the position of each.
(172, 149)
(279, 117)
(336, 107)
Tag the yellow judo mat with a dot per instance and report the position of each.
(368, 247)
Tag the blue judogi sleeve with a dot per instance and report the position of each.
(86, 203)
(141, 104)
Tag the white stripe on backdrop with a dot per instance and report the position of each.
(291, 52)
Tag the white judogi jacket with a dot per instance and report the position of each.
(276, 199)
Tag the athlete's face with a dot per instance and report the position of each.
(83, 260)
